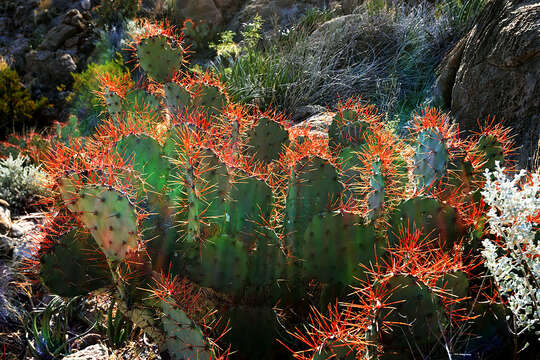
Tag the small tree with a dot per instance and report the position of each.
(17, 109)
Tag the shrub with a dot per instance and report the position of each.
(114, 12)
(20, 183)
(85, 104)
(513, 259)
(17, 108)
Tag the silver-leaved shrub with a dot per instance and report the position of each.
(514, 259)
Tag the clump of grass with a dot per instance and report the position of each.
(384, 52)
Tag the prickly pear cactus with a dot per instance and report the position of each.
(430, 159)
(159, 56)
(74, 265)
(111, 218)
(334, 245)
(267, 140)
(183, 337)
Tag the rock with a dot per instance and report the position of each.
(273, 12)
(50, 67)
(57, 36)
(303, 112)
(5, 217)
(74, 18)
(94, 352)
(205, 10)
(16, 231)
(317, 124)
(495, 71)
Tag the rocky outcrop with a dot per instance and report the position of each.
(215, 12)
(93, 352)
(495, 71)
(45, 43)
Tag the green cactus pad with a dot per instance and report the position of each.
(314, 188)
(429, 215)
(177, 97)
(207, 197)
(455, 284)
(335, 245)
(139, 100)
(266, 140)
(210, 98)
(266, 261)
(158, 58)
(491, 150)
(148, 160)
(74, 265)
(184, 338)
(251, 201)
(113, 102)
(377, 193)
(430, 159)
(343, 133)
(111, 219)
(416, 305)
(223, 264)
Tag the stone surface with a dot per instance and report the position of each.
(93, 352)
(317, 124)
(5, 217)
(495, 71)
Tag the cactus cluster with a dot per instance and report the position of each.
(229, 199)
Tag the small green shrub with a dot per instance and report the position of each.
(17, 108)
(20, 183)
(114, 12)
(84, 102)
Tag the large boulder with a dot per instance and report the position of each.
(495, 71)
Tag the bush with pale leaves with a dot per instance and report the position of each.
(514, 259)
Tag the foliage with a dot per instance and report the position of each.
(114, 12)
(21, 184)
(512, 259)
(47, 329)
(388, 55)
(118, 329)
(84, 102)
(17, 108)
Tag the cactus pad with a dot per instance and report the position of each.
(159, 59)
(430, 215)
(267, 139)
(184, 338)
(113, 102)
(74, 265)
(111, 218)
(430, 159)
(491, 150)
(223, 264)
(148, 159)
(334, 247)
(176, 97)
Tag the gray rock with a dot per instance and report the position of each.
(93, 352)
(317, 124)
(495, 71)
(5, 217)
(57, 36)
(47, 66)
